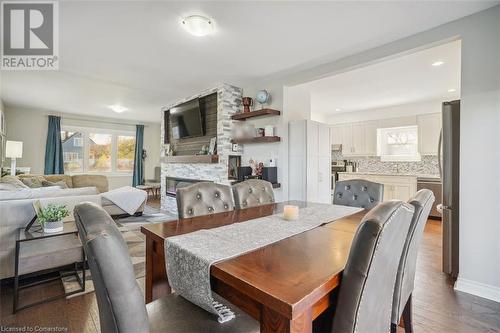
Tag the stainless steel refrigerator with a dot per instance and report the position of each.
(449, 167)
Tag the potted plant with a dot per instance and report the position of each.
(51, 217)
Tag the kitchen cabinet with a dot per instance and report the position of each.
(429, 128)
(396, 187)
(309, 161)
(357, 139)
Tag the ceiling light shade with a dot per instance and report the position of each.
(118, 108)
(198, 25)
(437, 63)
(14, 149)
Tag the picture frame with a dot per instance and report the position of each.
(212, 148)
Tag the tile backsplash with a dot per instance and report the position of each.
(427, 166)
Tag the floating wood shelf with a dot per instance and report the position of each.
(257, 139)
(191, 159)
(257, 113)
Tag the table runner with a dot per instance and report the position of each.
(189, 256)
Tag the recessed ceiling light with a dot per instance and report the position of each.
(118, 108)
(337, 109)
(452, 90)
(437, 63)
(198, 25)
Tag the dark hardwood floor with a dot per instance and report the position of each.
(437, 307)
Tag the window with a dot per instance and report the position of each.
(97, 150)
(72, 152)
(398, 143)
(125, 153)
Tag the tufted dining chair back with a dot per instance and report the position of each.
(422, 202)
(204, 198)
(358, 193)
(253, 192)
(365, 296)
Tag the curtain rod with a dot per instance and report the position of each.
(102, 121)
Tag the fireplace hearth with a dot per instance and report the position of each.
(173, 183)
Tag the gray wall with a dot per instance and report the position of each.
(30, 126)
(480, 134)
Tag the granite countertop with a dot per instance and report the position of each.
(433, 177)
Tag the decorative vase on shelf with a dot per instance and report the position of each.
(247, 103)
(53, 226)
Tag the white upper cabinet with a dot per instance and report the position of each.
(357, 139)
(429, 127)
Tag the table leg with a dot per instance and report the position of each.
(272, 321)
(156, 275)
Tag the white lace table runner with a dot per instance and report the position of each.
(189, 256)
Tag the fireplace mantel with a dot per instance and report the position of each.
(191, 159)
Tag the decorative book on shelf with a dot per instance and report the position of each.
(256, 113)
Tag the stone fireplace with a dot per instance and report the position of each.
(228, 102)
(173, 183)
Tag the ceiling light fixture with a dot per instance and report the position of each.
(337, 109)
(198, 25)
(118, 108)
(437, 63)
(452, 90)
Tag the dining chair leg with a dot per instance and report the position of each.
(407, 316)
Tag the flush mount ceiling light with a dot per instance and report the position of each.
(437, 63)
(118, 108)
(198, 25)
(337, 109)
(452, 90)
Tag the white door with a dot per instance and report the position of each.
(312, 139)
(324, 164)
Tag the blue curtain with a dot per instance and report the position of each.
(138, 178)
(54, 163)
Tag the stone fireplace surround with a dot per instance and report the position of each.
(228, 103)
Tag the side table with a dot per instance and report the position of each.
(37, 252)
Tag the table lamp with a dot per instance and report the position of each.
(13, 150)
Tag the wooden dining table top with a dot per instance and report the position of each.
(289, 276)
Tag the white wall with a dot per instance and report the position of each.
(480, 134)
(30, 126)
(396, 111)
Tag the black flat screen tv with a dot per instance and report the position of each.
(186, 120)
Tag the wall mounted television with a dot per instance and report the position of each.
(186, 120)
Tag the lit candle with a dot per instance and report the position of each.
(290, 212)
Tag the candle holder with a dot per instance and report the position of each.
(290, 212)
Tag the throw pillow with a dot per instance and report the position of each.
(60, 183)
(33, 182)
(13, 180)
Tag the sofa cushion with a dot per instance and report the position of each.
(99, 181)
(33, 182)
(61, 184)
(13, 180)
(51, 178)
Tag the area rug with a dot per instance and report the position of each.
(130, 229)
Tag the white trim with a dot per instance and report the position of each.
(478, 289)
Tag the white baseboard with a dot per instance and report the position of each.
(478, 289)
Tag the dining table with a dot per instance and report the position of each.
(284, 285)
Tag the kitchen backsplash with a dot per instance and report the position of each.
(427, 166)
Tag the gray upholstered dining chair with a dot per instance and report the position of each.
(204, 198)
(253, 192)
(422, 202)
(365, 295)
(119, 298)
(358, 193)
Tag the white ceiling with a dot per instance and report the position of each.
(403, 80)
(137, 55)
